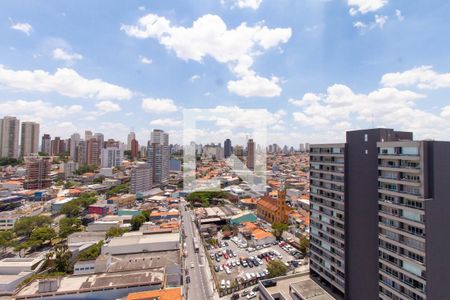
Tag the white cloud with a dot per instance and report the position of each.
(23, 27)
(64, 81)
(365, 6)
(359, 25)
(445, 112)
(209, 36)
(61, 54)
(38, 110)
(145, 60)
(255, 86)
(153, 105)
(167, 122)
(108, 106)
(399, 15)
(380, 20)
(422, 77)
(141, 8)
(253, 4)
(195, 78)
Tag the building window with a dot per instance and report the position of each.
(366, 137)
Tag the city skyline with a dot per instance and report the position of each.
(290, 66)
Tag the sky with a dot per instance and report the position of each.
(307, 70)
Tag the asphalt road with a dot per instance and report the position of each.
(200, 286)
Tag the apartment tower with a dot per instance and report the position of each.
(9, 137)
(251, 154)
(29, 141)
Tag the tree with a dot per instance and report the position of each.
(62, 256)
(43, 234)
(68, 226)
(71, 209)
(137, 221)
(92, 252)
(24, 226)
(278, 229)
(276, 268)
(115, 232)
(146, 215)
(304, 245)
(6, 239)
(98, 179)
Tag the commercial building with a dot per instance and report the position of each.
(140, 243)
(29, 141)
(141, 178)
(372, 200)
(14, 270)
(9, 137)
(227, 148)
(130, 138)
(38, 173)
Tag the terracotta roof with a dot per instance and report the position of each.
(166, 294)
(259, 234)
(268, 203)
(249, 201)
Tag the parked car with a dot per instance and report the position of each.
(268, 283)
(251, 295)
(222, 284)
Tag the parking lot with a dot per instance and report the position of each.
(233, 264)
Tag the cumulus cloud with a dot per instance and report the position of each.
(423, 77)
(255, 86)
(146, 61)
(23, 27)
(64, 81)
(399, 15)
(38, 110)
(108, 106)
(365, 6)
(167, 122)
(253, 4)
(209, 36)
(153, 105)
(194, 78)
(61, 54)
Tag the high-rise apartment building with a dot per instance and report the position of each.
(88, 135)
(227, 148)
(9, 137)
(81, 153)
(29, 141)
(101, 139)
(158, 156)
(74, 142)
(251, 154)
(130, 138)
(46, 144)
(414, 219)
(93, 152)
(134, 148)
(38, 173)
(141, 178)
(111, 157)
(372, 200)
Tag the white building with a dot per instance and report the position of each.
(158, 156)
(142, 243)
(131, 137)
(111, 157)
(29, 138)
(141, 178)
(69, 168)
(14, 270)
(74, 142)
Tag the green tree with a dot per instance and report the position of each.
(92, 252)
(115, 232)
(43, 234)
(71, 209)
(6, 239)
(24, 226)
(68, 226)
(118, 189)
(137, 221)
(61, 259)
(276, 268)
(98, 179)
(146, 215)
(278, 229)
(304, 245)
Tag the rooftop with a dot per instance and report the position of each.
(166, 294)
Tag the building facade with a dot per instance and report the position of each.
(111, 157)
(46, 143)
(38, 173)
(158, 156)
(29, 138)
(251, 154)
(9, 137)
(227, 148)
(141, 178)
(273, 210)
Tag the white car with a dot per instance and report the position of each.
(251, 295)
(222, 284)
(228, 284)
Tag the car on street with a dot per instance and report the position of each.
(251, 295)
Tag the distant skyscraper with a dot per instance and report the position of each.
(131, 137)
(227, 151)
(38, 173)
(29, 138)
(134, 148)
(56, 146)
(302, 148)
(74, 141)
(101, 139)
(141, 178)
(46, 144)
(158, 156)
(81, 153)
(9, 137)
(251, 154)
(88, 135)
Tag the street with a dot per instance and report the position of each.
(201, 283)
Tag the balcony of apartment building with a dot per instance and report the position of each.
(409, 217)
(327, 168)
(328, 276)
(326, 176)
(393, 288)
(400, 202)
(402, 178)
(399, 190)
(327, 150)
(405, 268)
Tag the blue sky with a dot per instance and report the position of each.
(318, 67)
